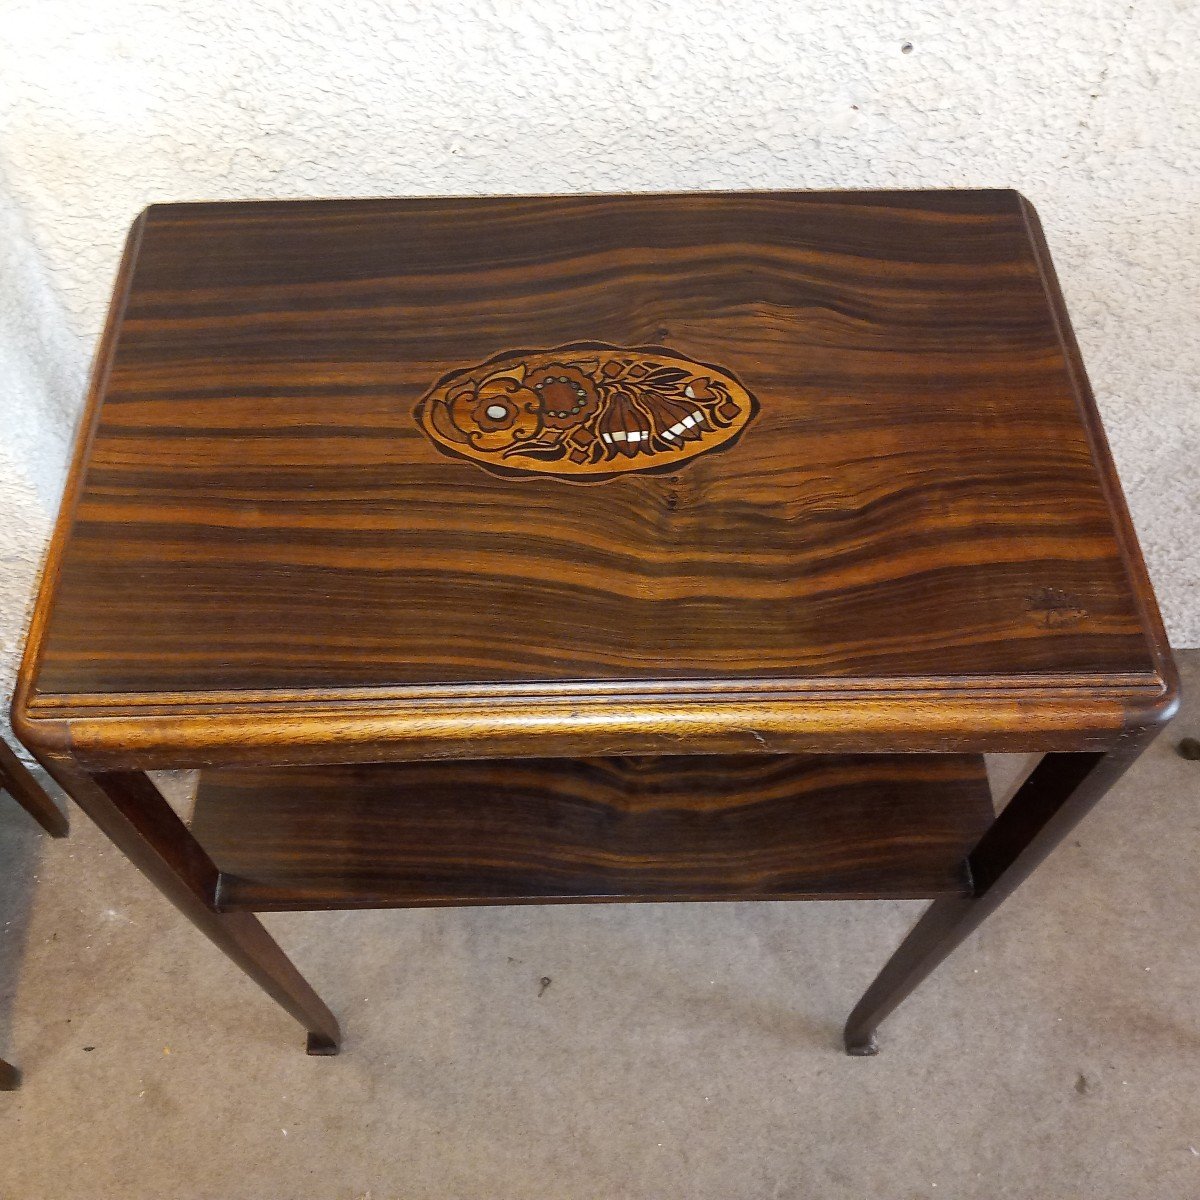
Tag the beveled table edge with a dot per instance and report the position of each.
(366, 728)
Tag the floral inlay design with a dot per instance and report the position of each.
(588, 411)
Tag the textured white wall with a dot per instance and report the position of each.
(1090, 108)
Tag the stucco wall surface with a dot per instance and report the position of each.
(1092, 109)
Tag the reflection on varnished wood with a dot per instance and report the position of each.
(720, 827)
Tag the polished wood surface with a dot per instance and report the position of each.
(917, 543)
(662, 828)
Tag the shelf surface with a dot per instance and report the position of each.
(653, 828)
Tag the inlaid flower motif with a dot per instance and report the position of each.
(496, 412)
(568, 395)
(587, 412)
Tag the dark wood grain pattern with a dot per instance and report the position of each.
(918, 542)
(664, 828)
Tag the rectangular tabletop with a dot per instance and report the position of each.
(589, 475)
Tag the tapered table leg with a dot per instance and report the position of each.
(1058, 793)
(10, 1077)
(134, 814)
(16, 779)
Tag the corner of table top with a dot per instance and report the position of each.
(1089, 415)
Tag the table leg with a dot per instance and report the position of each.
(16, 779)
(1057, 794)
(10, 1077)
(134, 814)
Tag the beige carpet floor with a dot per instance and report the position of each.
(677, 1050)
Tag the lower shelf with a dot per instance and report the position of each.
(543, 830)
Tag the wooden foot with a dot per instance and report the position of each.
(320, 1046)
(931, 939)
(10, 1077)
(861, 1049)
(16, 779)
(243, 938)
(133, 813)
(1058, 793)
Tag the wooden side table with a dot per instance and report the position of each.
(595, 548)
(25, 790)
